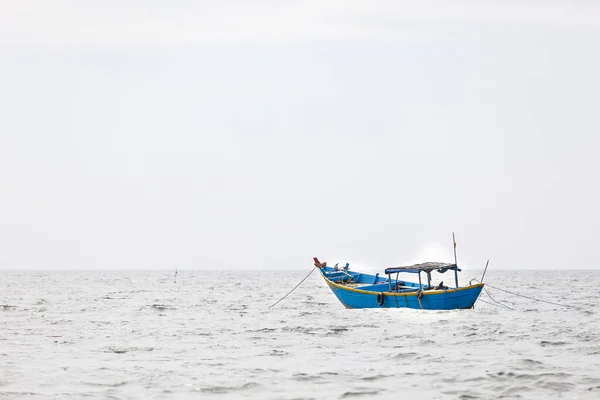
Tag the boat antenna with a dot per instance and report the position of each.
(455, 261)
(486, 265)
(454, 242)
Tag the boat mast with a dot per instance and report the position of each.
(455, 262)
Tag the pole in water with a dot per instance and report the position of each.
(486, 265)
(455, 262)
(175, 281)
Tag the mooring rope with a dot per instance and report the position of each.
(530, 298)
(492, 304)
(311, 271)
(419, 294)
(496, 301)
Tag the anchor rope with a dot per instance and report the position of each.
(496, 301)
(530, 298)
(492, 304)
(290, 292)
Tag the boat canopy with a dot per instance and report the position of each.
(424, 267)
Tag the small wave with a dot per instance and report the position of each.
(266, 330)
(158, 307)
(369, 326)
(541, 378)
(401, 356)
(529, 361)
(18, 395)
(556, 386)
(7, 307)
(279, 353)
(111, 385)
(306, 313)
(308, 330)
(122, 350)
(359, 393)
(260, 371)
(64, 342)
(306, 377)
(112, 297)
(517, 390)
(101, 322)
(586, 337)
(229, 389)
(588, 380)
(163, 307)
(61, 321)
(546, 343)
(373, 377)
(337, 331)
(519, 337)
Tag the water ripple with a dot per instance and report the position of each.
(102, 335)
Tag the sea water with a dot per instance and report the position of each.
(141, 335)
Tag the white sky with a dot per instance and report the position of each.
(163, 134)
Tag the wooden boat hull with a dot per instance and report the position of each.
(449, 299)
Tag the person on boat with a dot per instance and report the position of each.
(440, 286)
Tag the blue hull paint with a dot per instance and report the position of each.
(365, 295)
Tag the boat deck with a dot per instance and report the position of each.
(360, 285)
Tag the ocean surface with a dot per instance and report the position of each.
(140, 335)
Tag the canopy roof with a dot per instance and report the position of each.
(425, 267)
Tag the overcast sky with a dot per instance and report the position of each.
(223, 134)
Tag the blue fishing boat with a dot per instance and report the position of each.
(359, 290)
